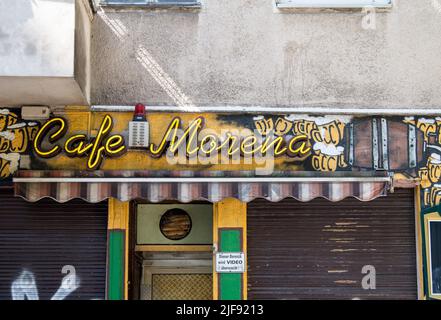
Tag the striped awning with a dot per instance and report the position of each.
(187, 186)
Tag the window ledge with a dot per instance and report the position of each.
(332, 7)
(122, 5)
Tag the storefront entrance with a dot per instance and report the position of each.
(323, 250)
(173, 252)
(177, 276)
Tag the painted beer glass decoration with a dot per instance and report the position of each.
(7, 118)
(15, 138)
(20, 141)
(327, 135)
(430, 178)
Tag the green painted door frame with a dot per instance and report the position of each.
(230, 284)
(116, 262)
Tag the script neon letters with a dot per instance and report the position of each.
(296, 146)
(50, 141)
(95, 149)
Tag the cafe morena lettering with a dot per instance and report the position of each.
(52, 139)
(95, 149)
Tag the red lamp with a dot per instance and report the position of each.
(139, 112)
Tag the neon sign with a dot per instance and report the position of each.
(51, 140)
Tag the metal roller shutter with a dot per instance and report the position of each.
(317, 249)
(39, 239)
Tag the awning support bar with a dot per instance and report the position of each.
(201, 179)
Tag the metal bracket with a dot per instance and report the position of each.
(351, 144)
(384, 141)
(412, 147)
(375, 151)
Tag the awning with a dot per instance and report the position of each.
(185, 186)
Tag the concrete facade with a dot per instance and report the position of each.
(44, 52)
(247, 52)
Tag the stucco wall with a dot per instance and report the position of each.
(245, 52)
(44, 52)
(37, 38)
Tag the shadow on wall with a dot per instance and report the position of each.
(140, 57)
(224, 54)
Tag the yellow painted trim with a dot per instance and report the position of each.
(245, 249)
(215, 244)
(419, 243)
(162, 248)
(230, 213)
(430, 217)
(118, 214)
(119, 219)
(77, 108)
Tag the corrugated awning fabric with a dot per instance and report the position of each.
(188, 191)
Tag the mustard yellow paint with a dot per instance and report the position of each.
(171, 248)
(419, 246)
(78, 118)
(430, 217)
(230, 213)
(119, 219)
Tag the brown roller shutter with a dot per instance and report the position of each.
(42, 237)
(316, 250)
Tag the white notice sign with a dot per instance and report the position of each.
(230, 262)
